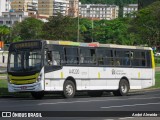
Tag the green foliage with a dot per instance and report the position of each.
(141, 30)
(60, 28)
(146, 25)
(4, 32)
(30, 28)
(114, 31)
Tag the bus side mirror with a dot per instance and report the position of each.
(3, 59)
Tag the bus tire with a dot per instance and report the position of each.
(95, 93)
(123, 88)
(69, 89)
(37, 95)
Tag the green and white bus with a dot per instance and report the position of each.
(40, 66)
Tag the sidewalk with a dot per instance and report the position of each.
(3, 69)
(157, 69)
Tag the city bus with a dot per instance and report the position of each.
(65, 67)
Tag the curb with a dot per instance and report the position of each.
(144, 90)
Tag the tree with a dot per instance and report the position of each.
(86, 30)
(4, 32)
(61, 28)
(113, 31)
(28, 29)
(147, 26)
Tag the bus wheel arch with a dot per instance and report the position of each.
(124, 87)
(125, 78)
(69, 87)
(37, 95)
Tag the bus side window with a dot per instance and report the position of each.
(93, 56)
(81, 58)
(49, 57)
(71, 55)
(148, 57)
(139, 59)
(85, 55)
(117, 61)
(56, 57)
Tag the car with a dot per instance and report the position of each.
(157, 54)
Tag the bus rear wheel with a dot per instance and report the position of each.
(69, 89)
(37, 95)
(123, 88)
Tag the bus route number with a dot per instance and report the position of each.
(74, 71)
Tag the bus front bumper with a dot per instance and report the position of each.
(25, 88)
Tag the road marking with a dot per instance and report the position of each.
(108, 119)
(50, 103)
(130, 105)
(126, 118)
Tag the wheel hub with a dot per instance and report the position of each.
(69, 89)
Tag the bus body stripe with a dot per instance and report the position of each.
(153, 62)
(19, 80)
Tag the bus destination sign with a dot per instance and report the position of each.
(27, 44)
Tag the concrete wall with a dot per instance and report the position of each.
(5, 54)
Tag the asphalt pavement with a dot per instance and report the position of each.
(108, 107)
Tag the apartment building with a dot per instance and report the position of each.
(60, 6)
(10, 18)
(99, 11)
(4, 6)
(45, 7)
(24, 5)
(74, 8)
(130, 8)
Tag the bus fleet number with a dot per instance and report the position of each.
(74, 71)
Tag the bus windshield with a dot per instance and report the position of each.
(25, 60)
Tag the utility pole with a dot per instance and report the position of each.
(78, 22)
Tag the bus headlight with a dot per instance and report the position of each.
(8, 79)
(39, 77)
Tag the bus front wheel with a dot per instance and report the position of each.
(37, 95)
(69, 89)
(123, 88)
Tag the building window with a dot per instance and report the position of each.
(1, 22)
(5, 16)
(8, 22)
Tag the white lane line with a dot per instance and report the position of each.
(71, 102)
(130, 105)
(51, 103)
(108, 119)
(126, 118)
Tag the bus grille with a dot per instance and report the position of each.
(20, 80)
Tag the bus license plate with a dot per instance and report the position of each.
(23, 87)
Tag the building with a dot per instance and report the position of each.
(30, 6)
(100, 11)
(4, 6)
(74, 8)
(144, 3)
(45, 7)
(130, 8)
(54, 7)
(10, 18)
(60, 6)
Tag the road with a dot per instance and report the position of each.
(143, 102)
